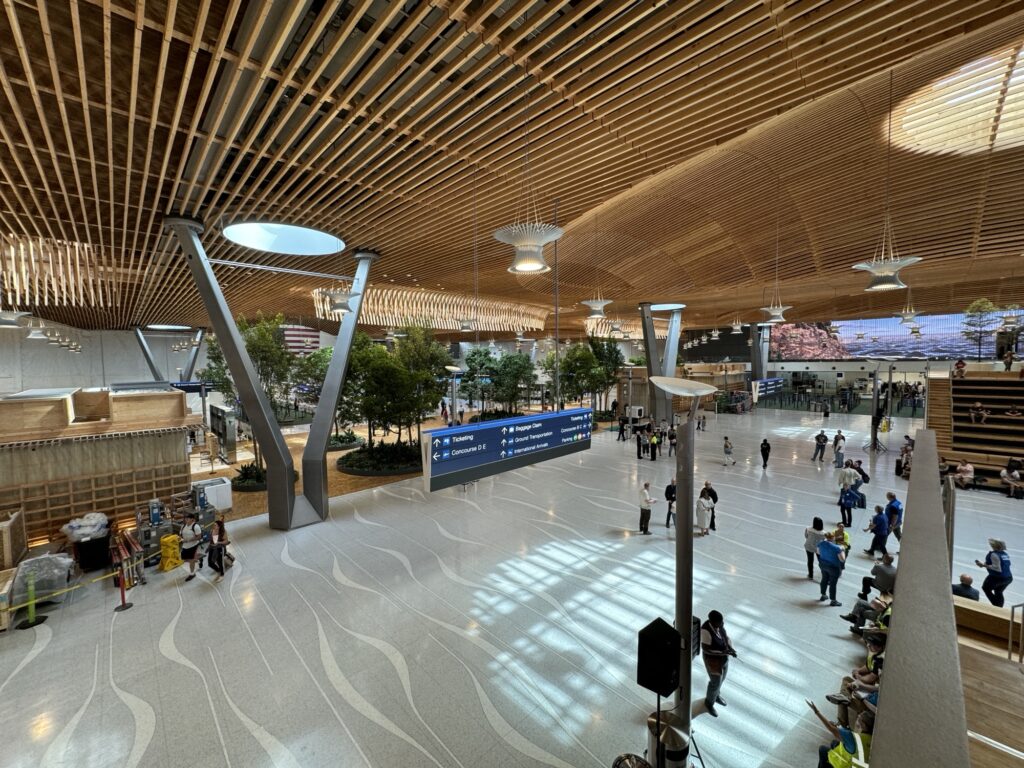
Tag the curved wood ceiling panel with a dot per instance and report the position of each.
(668, 134)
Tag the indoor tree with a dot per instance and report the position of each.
(980, 321)
(308, 382)
(609, 360)
(424, 358)
(511, 375)
(478, 376)
(271, 360)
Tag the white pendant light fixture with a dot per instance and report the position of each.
(338, 300)
(597, 308)
(37, 332)
(11, 318)
(908, 314)
(1010, 319)
(466, 326)
(714, 334)
(776, 308)
(833, 329)
(750, 342)
(527, 234)
(737, 326)
(874, 339)
(860, 335)
(53, 337)
(703, 338)
(915, 330)
(886, 262)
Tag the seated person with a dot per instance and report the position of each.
(883, 574)
(841, 536)
(908, 460)
(872, 668)
(964, 474)
(908, 441)
(958, 368)
(877, 627)
(1011, 480)
(1013, 412)
(846, 746)
(964, 588)
(858, 699)
(978, 413)
(865, 611)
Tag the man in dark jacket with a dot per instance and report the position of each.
(716, 648)
(670, 497)
(714, 500)
(766, 449)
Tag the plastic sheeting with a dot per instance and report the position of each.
(52, 574)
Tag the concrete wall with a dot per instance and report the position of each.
(108, 357)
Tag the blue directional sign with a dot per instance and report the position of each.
(462, 454)
(766, 387)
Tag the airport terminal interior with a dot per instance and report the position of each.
(469, 383)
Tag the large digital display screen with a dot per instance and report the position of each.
(457, 455)
(940, 337)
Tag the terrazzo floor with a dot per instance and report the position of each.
(494, 626)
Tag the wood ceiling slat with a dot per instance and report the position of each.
(384, 132)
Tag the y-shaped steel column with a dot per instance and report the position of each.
(285, 510)
(314, 456)
(147, 353)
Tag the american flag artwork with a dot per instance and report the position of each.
(300, 340)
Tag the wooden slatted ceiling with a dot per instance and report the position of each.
(681, 126)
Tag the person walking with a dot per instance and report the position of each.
(218, 548)
(812, 537)
(670, 497)
(831, 557)
(716, 648)
(999, 577)
(838, 448)
(645, 508)
(639, 444)
(703, 423)
(820, 441)
(673, 438)
(622, 430)
(705, 507)
(894, 514)
(766, 450)
(713, 494)
(879, 526)
(727, 449)
(191, 537)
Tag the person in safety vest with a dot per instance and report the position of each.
(848, 749)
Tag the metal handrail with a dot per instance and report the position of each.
(1009, 634)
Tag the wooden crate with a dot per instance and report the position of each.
(6, 589)
(13, 541)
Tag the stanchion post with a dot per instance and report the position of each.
(125, 605)
(32, 620)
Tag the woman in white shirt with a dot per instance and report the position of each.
(191, 536)
(704, 508)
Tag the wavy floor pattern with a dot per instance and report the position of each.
(493, 626)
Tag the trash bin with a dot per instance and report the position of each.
(630, 761)
(675, 739)
(93, 554)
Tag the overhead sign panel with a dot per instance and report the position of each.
(459, 455)
(766, 387)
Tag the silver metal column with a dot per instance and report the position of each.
(281, 505)
(314, 455)
(148, 355)
(655, 399)
(670, 355)
(757, 367)
(684, 557)
(193, 356)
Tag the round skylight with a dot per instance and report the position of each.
(977, 108)
(287, 239)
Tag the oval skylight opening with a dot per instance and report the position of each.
(977, 108)
(287, 239)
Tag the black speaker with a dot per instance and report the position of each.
(657, 658)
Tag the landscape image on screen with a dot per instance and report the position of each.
(940, 337)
